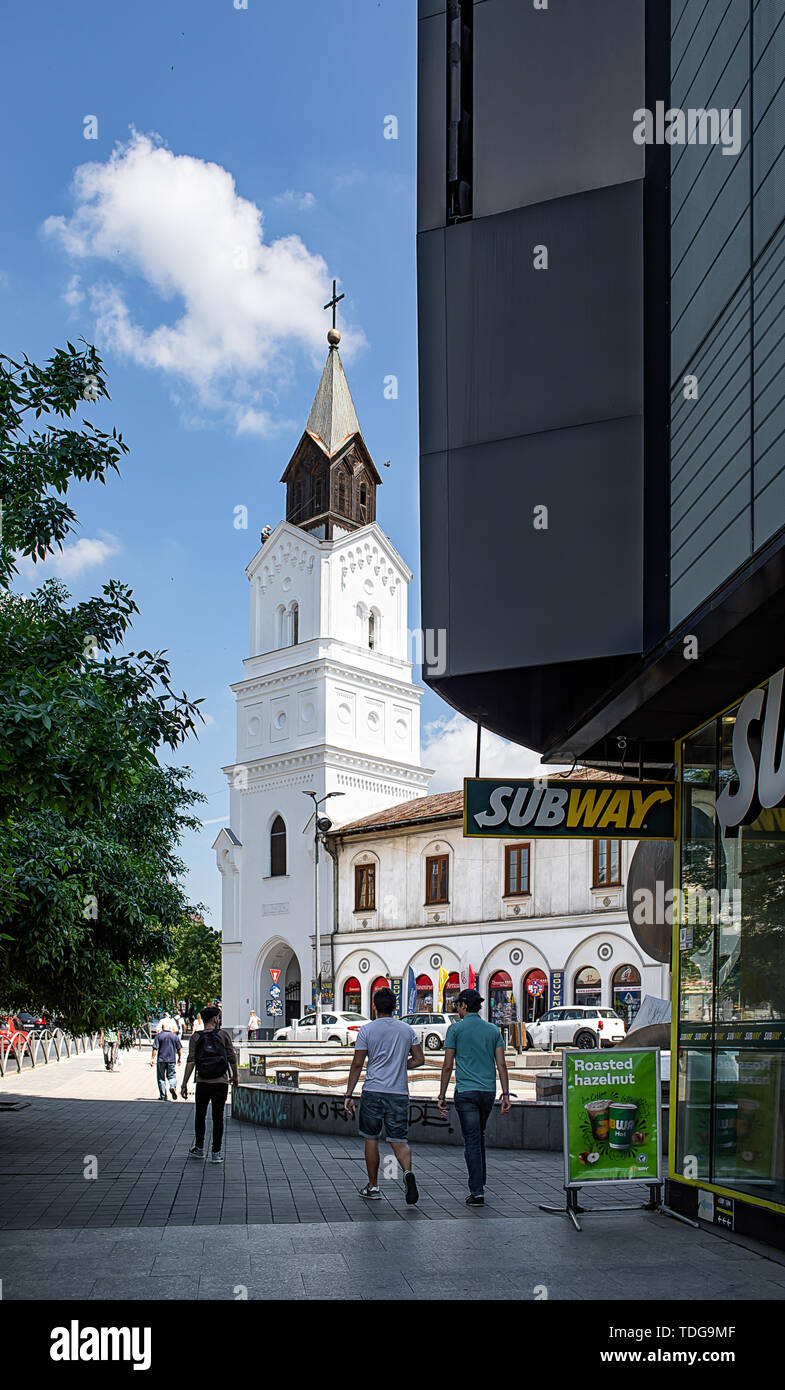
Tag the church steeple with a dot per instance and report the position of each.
(331, 479)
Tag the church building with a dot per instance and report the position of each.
(325, 705)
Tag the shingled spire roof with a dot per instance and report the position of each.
(333, 418)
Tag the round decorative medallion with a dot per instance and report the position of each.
(364, 858)
(280, 719)
(286, 584)
(344, 713)
(437, 917)
(254, 725)
(606, 902)
(365, 921)
(308, 712)
(369, 586)
(516, 955)
(516, 909)
(605, 951)
(401, 728)
(436, 961)
(437, 848)
(373, 720)
(364, 965)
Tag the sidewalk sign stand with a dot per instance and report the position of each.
(612, 1104)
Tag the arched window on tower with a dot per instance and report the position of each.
(280, 627)
(363, 502)
(298, 502)
(342, 493)
(318, 493)
(277, 848)
(292, 625)
(373, 629)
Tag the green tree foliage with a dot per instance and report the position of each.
(90, 820)
(193, 969)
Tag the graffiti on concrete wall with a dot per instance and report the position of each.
(425, 1114)
(260, 1107)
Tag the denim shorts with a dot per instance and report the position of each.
(377, 1110)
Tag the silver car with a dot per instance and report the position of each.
(431, 1028)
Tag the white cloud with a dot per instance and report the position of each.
(449, 748)
(246, 308)
(86, 553)
(208, 718)
(72, 294)
(299, 202)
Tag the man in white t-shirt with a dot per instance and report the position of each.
(393, 1050)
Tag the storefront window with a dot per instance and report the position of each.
(352, 994)
(731, 1063)
(626, 997)
(501, 1000)
(424, 1003)
(452, 989)
(588, 986)
(535, 995)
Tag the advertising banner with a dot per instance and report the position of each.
(396, 985)
(557, 989)
(611, 1115)
(536, 809)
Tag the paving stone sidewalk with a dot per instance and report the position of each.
(282, 1217)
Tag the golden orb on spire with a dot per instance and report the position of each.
(333, 337)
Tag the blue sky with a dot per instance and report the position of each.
(240, 163)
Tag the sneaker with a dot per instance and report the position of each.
(216, 1158)
(410, 1186)
(174, 1093)
(473, 1201)
(194, 1149)
(162, 1097)
(372, 1193)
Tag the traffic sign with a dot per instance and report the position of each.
(274, 1009)
(275, 991)
(275, 974)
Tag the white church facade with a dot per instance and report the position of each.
(326, 705)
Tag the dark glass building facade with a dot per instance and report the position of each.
(636, 389)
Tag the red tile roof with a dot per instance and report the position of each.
(449, 805)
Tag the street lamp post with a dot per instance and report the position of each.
(320, 825)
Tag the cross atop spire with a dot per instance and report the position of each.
(333, 336)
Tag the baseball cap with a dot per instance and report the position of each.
(469, 996)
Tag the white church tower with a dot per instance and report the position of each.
(326, 704)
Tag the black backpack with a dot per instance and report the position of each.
(212, 1059)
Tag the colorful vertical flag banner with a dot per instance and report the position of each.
(444, 976)
(411, 993)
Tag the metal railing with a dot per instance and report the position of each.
(48, 1045)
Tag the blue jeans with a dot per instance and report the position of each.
(473, 1109)
(166, 1071)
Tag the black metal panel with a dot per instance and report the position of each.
(524, 596)
(431, 123)
(554, 96)
(534, 349)
(432, 344)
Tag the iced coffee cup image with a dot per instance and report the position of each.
(622, 1118)
(597, 1111)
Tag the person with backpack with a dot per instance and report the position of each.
(211, 1054)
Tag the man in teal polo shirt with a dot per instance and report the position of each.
(477, 1048)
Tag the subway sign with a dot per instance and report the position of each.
(539, 808)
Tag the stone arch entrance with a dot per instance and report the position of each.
(278, 955)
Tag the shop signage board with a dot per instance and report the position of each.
(557, 988)
(396, 985)
(611, 1104)
(538, 809)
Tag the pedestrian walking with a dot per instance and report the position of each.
(477, 1050)
(392, 1049)
(179, 1023)
(109, 1040)
(166, 1057)
(254, 1024)
(198, 1024)
(211, 1053)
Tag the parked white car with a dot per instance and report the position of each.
(336, 1028)
(576, 1025)
(431, 1028)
